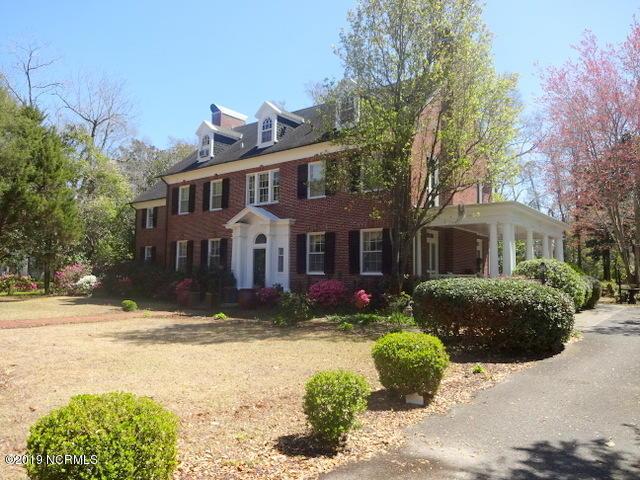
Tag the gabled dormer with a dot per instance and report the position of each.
(213, 139)
(273, 124)
(347, 104)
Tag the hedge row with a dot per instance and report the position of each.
(505, 314)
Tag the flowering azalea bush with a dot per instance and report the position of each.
(10, 283)
(268, 296)
(86, 285)
(184, 286)
(361, 299)
(328, 293)
(65, 280)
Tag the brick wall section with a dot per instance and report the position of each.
(152, 237)
(456, 251)
(337, 213)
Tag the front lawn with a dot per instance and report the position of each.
(236, 385)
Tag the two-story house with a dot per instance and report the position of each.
(253, 199)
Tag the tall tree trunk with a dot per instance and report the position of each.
(636, 246)
(47, 278)
(606, 264)
(579, 251)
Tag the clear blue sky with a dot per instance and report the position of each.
(179, 57)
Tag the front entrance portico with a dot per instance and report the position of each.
(260, 248)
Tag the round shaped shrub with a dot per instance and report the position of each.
(409, 362)
(509, 314)
(129, 305)
(558, 274)
(596, 292)
(328, 293)
(119, 436)
(332, 401)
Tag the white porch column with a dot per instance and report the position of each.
(493, 250)
(239, 256)
(269, 257)
(560, 248)
(508, 249)
(418, 254)
(530, 253)
(545, 246)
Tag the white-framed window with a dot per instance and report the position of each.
(150, 211)
(316, 187)
(263, 187)
(315, 253)
(214, 252)
(432, 251)
(183, 200)
(434, 179)
(181, 255)
(479, 191)
(205, 146)
(280, 260)
(347, 111)
(371, 251)
(215, 195)
(266, 131)
(148, 253)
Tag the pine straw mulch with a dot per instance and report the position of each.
(267, 438)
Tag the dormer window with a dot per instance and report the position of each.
(266, 135)
(205, 147)
(347, 111)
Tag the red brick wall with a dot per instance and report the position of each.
(152, 237)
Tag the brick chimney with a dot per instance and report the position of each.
(225, 117)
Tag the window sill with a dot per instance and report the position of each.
(214, 209)
(184, 213)
(371, 274)
(315, 273)
(309, 197)
(261, 204)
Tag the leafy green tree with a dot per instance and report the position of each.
(433, 117)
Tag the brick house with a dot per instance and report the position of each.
(252, 198)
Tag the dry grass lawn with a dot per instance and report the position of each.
(28, 308)
(236, 385)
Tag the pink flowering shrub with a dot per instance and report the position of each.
(361, 299)
(65, 280)
(268, 296)
(16, 283)
(328, 293)
(184, 286)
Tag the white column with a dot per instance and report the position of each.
(530, 253)
(239, 256)
(419, 253)
(493, 250)
(545, 246)
(508, 249)
(270, 253)
(560, 249)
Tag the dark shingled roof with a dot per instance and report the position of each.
(307, 133)
(159, 190)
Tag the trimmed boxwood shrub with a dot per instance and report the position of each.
(410, 362)
(558, 274)
(121, 436)
(596, 291)
(129, 305)
(508, 314)
(332, 401)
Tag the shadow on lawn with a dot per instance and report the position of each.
(568, 460)
(233, 330)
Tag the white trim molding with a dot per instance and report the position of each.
(159, 202)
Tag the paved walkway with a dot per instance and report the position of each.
(572, 416)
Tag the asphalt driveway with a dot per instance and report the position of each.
(573, 416)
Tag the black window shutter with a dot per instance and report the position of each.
(206, 196)
(174, 200)
(303, 173)
(355, 171)
(223, 252)
(192, 198)
(155, 217)
(153, 254)
(225, 193)
(387, 260)
(329, 253)
(190, 256)
(354, 252)
(144, 217)
(204, 253)
(330, 177)
(173, 259)
(141, 257)
(301, 252)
